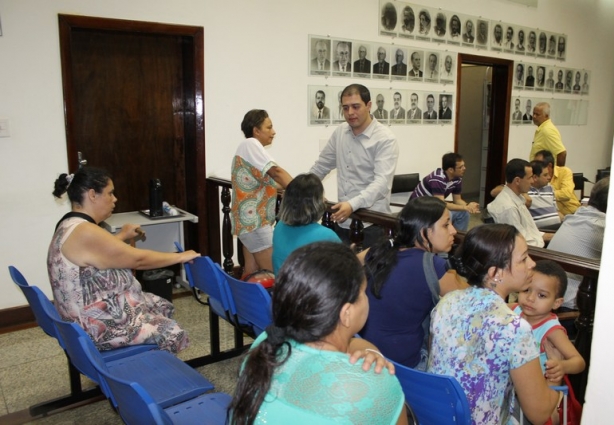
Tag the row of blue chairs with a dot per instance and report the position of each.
(146, 385)
(434, 399)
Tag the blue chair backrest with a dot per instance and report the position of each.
(207, 276)
(135, 405)
(70, 333)
(434, 399)
(253, 303)
(37, 300)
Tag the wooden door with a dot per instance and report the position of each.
(133, 105)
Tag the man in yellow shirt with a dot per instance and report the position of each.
(562, 182)
(547, 137)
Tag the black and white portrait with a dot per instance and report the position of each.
(397, 113)
(414, 113)
(469, 32)
(362, 65)
(381, 66)
(380, 112)
(388, 19)
(508, 43)
(482, 33)
(417, 63)
(447, 72)
(585, 82)
(408, 23)
(424, 29)
(320, 54)
(517, 113)
(527, 117)
(559, 86)
(445, 108)
(568, 80)
(531, 43)
(439, 31)
(529, 82)
(520, 42)
(342, 57)
(431, 69)
(540, 77)
(577, 85)
(519, 75)
(542, 47)
(497, 37)
(549, 86)
(430, 114)
(552, 46)
(399, 69)
(560, 47)
(454, 35)
(319, 112)
(337, 108)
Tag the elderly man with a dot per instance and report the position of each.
(397, 113)
(581, 234)
(381, 67)
(432, 73)
(509, 205)
(562, 182)
(400, 68)
(365, 153)
(530, 81)
(380, 113)
(342, 64)
(447, 73)
(519, 77)
(547, 136)
(468, 36)
(321, 62)
(517, 115)
(445, 113)
(362, 65)
(416, 65)
(430, 114)
(445, 181)
(527, 117)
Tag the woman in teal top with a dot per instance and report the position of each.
(301, 208)
(300, 371)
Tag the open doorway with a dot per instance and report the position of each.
(484, 90)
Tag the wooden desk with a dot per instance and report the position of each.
(160, 233)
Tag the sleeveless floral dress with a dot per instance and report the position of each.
(109, 304)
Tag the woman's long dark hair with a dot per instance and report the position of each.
(311, 288)
(84, 179)
(485, 246)
(417, 216)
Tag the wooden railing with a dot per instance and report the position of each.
(222, 253)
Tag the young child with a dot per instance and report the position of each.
(558, 356)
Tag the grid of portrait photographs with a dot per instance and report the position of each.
(416, 22)
(538, 77)
(360, 59)
(562, 111)
(389, 106)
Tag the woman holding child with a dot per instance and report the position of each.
(477, 339)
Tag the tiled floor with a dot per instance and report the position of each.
(33, 369)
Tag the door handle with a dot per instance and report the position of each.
(82, 161)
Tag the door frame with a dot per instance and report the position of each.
(499, 120)
(195, 167)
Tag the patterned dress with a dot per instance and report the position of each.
(109, 304)
(254, 195)
(479, 340)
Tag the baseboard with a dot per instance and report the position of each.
(16, 318)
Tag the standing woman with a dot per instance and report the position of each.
(478, 340)
(91, 271)
(300, 370)
(398, 288)
(254, 195)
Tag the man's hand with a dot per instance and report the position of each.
(473, 207)
(342, 211)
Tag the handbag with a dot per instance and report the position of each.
(264, 277)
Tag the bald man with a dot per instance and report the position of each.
(547, 136)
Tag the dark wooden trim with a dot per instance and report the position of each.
(16, 318)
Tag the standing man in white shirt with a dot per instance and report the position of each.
(365, 154)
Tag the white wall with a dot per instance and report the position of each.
(254, 58)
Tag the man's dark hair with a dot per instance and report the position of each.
(599, 195)
(547, 156)
(449, 160)
(515, 168)
(538, 167)
(553, 269)
(320, 91)
(358, 89)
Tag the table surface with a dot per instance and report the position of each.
(116, 221)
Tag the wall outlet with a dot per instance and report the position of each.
(4, 127)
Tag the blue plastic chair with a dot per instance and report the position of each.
(434, 399)
(168, 379)
(252, 303)
(137, 407)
